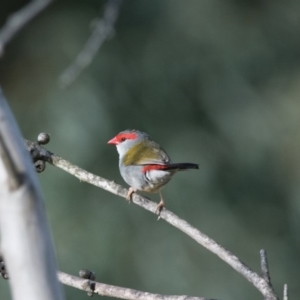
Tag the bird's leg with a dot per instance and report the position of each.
(160, 205)
(129, 194)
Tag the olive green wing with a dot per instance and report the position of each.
(145, 153)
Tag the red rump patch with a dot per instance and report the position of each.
(154, 167)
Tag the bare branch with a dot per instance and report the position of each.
(285, 292)
(18, 20)
(103, 28)
(25, 238)
(264, 266)
(116, 291)
(260, 283)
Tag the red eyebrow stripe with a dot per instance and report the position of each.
(154, 167)
(128, 136)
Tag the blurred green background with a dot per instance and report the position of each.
(214, 82)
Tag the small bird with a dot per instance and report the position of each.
(144, 164)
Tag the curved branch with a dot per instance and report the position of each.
(260, 283)
(116, 291)
(19, 19)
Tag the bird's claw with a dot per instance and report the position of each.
(128, 198)
(159, 208)
(129, 194)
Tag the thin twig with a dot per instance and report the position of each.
(265, 268)
(260, 283)
(103, 28)
(285, 292)
(264, 265)
(19, 19)
(116, 291)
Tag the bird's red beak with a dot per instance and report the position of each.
(113, 141)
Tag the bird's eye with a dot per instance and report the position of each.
(123, 139)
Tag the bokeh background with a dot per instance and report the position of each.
(214, 82)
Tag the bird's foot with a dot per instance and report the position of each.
(129, 194)
(159, 208)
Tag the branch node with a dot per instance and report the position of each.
(90, 284)
(40, 166)
(3, 271)
(43, 138)
(38, 154)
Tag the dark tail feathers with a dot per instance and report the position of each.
(182, 166)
